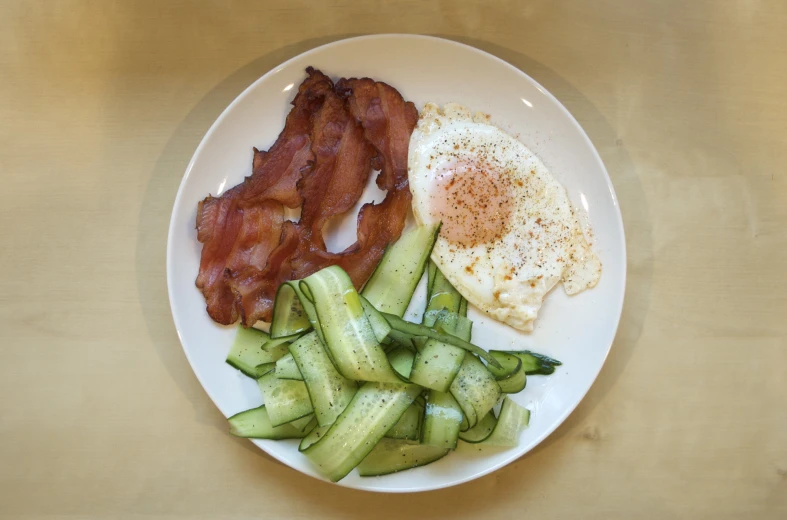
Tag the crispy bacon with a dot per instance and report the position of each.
(341, 168)
(239, 229)
(276, 172)
(255, 289)
(218, 224)
(387, 121)
(330, 188)
(322, 160)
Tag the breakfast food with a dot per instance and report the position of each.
(340, 368)
(509, 232)
(332, 138)
(240, 228)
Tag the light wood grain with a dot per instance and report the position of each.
(101, 107)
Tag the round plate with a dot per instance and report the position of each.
(578, 330)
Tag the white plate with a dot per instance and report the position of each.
(577, 330)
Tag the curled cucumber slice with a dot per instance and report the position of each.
(371, 413)
(391, 455)
(347, 332)
(255, 424)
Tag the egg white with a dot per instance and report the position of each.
(509, 233)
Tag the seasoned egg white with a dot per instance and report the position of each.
(509, 232)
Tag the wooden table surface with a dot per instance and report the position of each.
(101, 107)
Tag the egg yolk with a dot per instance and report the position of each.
(473, 199)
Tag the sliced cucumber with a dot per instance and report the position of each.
(255, 424)
(351, 388)
(463, 308)
(436, 365)
(379, 325)
(512, 378)
(414, 330)
(276, 346)
(513, 384)
(442, 420)
(442, 296)
(409, 424)
(249, 354)
(313, 436)
(513, 419)
(475, 389)
(431, 270)
(289, 316)
(509, 365)
(286, 368)
(285, 400)
(349, 336)
(372, 412)
(481, 430)
(534, 363)
(329, 391)
(391, 455)
(419, 342)
(305, 423)
(391, 286)
(454, 324)
(465, 426)
(401, 359)
(449, 323)
(402, 339)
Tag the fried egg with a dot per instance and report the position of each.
(509, 231)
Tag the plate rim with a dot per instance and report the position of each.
(395, 36)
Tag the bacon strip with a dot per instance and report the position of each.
(330, 188)
(341, 168)
(387, 121)
(277, 171)
(321, 159)
(218, 225)
(239, 229)
(255, 289)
